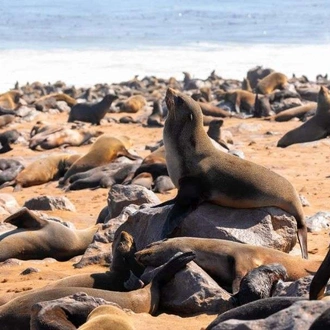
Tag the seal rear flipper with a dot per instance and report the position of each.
(302, 238)
(24, 218)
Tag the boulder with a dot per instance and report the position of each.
(50, 203)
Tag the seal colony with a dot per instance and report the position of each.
(203, 173)
(223, 180)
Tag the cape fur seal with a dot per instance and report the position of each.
(36, 238)
(316, 128)
(108, 317)
(104, 150)
(42, 171)
(274, 80)
(16, 314)
(203, 173)
(226, 261)
(92, 113)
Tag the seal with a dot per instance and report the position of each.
(91, 113)
(62, 137)
(104, 150)
(274, 80)
(9, 169)
(241, 99)
(233, 260)
(10, 99)
(203, 173)
(260, 283)
(122, 266)
(215, 133)
(6, 119)
(16, 314)
(133, 104)
(316, 128)
(109, 317)
(209, 109)
(296, 112)
(36, 238)
(155, 118)
(42, 171)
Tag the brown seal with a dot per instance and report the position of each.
(274, 80)
(6, 119)
(219, 136)
(203, 173)
(16, 314)
(104, 150)
(91, 113)
(296, 112)
(62, 137)
(10, 100)
(36, 238)
(226, 261)
(209, 109)
(43, 170)
(316, 128)
(108, 317)
(133, 104)
(241, 99)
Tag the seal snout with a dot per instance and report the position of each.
(171, 95)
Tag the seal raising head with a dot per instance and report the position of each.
(203, 173)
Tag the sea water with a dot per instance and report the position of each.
(83, 42)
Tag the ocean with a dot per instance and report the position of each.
(87, 42)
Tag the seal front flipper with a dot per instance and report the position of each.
(24, 218)
(189, 196)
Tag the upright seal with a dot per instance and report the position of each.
(203, 173)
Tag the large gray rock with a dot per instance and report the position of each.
(8, 204)
(318, 221)
(121, 195)
(270, 227)
(299, 316)
(191, 291)
(50, 203)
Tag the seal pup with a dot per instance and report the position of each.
(133, 104)
(107, 317)
(16, 314)
(9, 169)
(316, 128)
(226, 261)
(155, 119)
(36, 238)
(6, 119)
(103, 151)
(91, 113)
(203, 173)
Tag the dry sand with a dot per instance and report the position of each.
(306, 166)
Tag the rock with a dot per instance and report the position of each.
(303, 200)
(299, 288)
(193, 291)
(50, 203)
(121, 195)
(288, 103)
(269, 227)
(298, 316)
(8, 204)
(318, 221)
(62, 106)
(29, 270)
(100, 250)
(46, 314)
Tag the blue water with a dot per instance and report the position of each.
(90, 41)
(45, 24)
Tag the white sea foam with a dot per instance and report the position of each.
(88, 67)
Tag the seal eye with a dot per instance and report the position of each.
(179, 101)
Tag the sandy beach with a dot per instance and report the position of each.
(305, 165)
